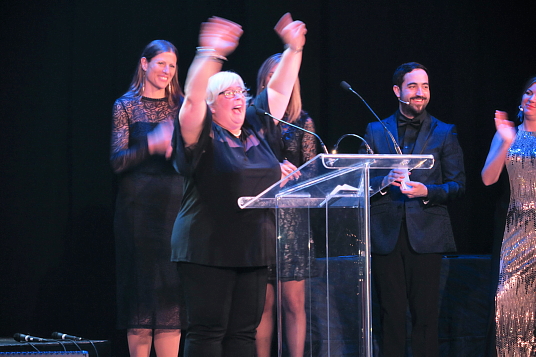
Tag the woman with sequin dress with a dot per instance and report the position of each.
(295, 148)
(515, 300)
(148, 200)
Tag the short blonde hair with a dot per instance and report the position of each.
(220, 82)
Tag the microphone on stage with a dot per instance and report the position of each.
(20, 337)
(347, 87)
(262, 112)
(401, 101)
(64, 336)
(369, 150)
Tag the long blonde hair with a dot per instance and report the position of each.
(294, 108)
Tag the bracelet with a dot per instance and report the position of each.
(294, 49)
(212, 58)
(205, 49)
(210, 52)
(217, 58)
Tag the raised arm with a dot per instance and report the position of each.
(280, 86)
(503, 139)
(218, 38)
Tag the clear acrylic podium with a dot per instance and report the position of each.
(323, 234)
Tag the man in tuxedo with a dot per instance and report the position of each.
(410, 226)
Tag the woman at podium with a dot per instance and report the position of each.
(220, 147)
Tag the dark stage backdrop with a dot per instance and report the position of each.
(65, 62)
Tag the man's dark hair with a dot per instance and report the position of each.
(400, 72)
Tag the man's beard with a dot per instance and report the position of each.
(410, 109)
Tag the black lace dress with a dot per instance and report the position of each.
(296, 247)
(148, 200)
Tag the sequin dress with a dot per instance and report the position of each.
(516, 293)
(148, 200)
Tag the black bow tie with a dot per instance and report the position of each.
(403, 121)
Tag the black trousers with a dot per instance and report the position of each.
(405, 278)
(224, 308)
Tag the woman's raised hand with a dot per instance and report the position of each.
(291, 32)
(220, 34)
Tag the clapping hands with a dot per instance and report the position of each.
(159, 140)
(505, 128)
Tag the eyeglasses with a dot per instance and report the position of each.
(229, 94)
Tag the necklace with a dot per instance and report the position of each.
(238, 134)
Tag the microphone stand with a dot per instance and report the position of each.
(347, 87)
(369, 150)
(262, 112)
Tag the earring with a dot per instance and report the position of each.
(143, 83)
(520, 108)
(169, 88)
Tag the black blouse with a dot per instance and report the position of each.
(211, 229)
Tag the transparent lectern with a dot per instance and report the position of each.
(323, 234)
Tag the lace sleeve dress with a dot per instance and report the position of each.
(148, 200)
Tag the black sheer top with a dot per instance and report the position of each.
(133, 119)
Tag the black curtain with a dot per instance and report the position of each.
(65, 62)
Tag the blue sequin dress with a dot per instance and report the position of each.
(516, 293)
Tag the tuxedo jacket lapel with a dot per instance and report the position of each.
(391, 124)
(425, 133)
